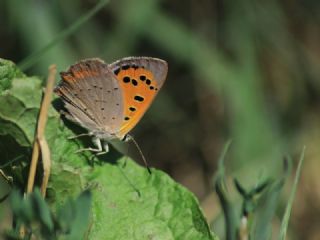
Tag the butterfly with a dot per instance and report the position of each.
(110, 99)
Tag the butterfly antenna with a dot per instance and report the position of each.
(141, 153)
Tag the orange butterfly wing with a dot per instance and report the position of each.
(140, 79)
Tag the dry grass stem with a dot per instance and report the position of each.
(40, 143)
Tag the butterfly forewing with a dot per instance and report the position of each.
(140, 79)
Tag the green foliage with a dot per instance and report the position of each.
(33, 213)
(259, 204)
(239, 54)
(266, 206)
(8, 71)
(127, 201)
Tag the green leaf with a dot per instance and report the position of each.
(80, 223)
(21, 208)
(15, 200)
(19, 108)
(65, 216)
(129, 203)
(42, 211)
(73, 217)
(8, 71)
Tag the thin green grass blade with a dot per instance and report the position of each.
(222, 156)
(10, 162)
(35, 56)
(227, 206)
(286, 217)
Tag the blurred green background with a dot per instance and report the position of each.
(242, 70)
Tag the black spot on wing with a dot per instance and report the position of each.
(142, 78)
(116, 72)
(126, 79)
(125, 67)
(134, 82)
(139, 98)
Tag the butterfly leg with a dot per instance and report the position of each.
(80, 135)
(105, 147)
(97, 143)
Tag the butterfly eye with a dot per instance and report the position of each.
(126, 138)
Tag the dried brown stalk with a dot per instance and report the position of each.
(40, 143)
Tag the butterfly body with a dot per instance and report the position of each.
(110, 99)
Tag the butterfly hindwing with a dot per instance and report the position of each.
(92, 96)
